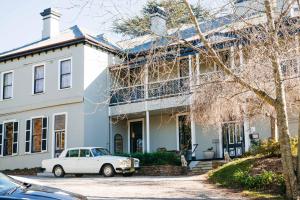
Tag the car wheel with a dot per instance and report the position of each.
(127, 174)
(58, 171)
(108, 171)
(79, 175)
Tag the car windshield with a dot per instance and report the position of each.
(6, 184)
(100, 152)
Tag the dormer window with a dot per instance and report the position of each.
(65, 79)
(7, 85)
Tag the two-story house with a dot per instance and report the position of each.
(53, 94)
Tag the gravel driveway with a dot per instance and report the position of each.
(156, 188)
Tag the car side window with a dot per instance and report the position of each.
(85, 153)
(73, 153)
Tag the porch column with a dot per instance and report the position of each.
(231, 56)
(193, 134)
(147, 131)
(198, 69)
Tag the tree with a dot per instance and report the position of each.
(176, 15)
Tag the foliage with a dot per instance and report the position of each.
(271, 148)
(237, 174)
(176, 12)
(156, 158)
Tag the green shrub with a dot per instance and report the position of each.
(156, 158)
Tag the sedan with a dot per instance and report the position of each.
(13, 189)
(90, 160)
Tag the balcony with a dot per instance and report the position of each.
(150, 91)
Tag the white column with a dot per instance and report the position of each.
(241, 55)
(231, 56)
(146, 81)
(193, 134)
(198, 69)
(148, 131)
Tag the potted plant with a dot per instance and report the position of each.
(209, 153)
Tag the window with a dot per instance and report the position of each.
(85, 153)
(39, 79)
(36, 135)
(59, 133)
(65, 74)
(73, 153)
(9, 138)
(7, 87)
(289, 67)
(118, 140)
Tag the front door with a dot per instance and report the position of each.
(233, 139)
(184, 130)
(136, 136)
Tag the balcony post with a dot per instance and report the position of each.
(297, 52)
(147, 131)
(231, 56)
(198, 68)
(241, 55)
(146, 81)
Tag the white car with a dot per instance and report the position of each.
(90, 160)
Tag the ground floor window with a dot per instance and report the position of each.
(184, 131)
(59, 133)
(36, 135)
(9, 138)
(118, 143)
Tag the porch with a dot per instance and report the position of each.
(171, 130)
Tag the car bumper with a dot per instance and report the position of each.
(127, 170)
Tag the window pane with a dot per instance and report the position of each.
(59, 122)
(73, 153)
(39, 86)
(15, 148)
(45, 122)
(28, 125)
(15, 137)
(27, 135)
(7, 79)
(44, 145)
(65, 81)
(44, 133)
(39, 72)
(7, 92)
(65, 67)
(16, 126)
(27, 147)
(85, 153)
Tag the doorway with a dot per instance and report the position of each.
(136, 136)
(233, 139)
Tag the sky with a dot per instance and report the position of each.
(21, 22)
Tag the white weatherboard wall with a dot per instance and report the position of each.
(96, 99)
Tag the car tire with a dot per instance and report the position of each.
(128, 174)
(58, 171)
(78, 175)
(108, 170)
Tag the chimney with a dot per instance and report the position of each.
(158, 21)
(50, 23)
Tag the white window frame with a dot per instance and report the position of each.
(2, 85)
(31, 130)
(33, 78)
(59, 73)
(53, 131)
(10, 121)
(143, 132)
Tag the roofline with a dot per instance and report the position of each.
(50, 47)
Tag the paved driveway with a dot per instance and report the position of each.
(155, 188)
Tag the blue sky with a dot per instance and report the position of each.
(21, 22)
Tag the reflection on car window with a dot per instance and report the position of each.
(85, 153)
(6, 184)
(100, 152)
(73, 153)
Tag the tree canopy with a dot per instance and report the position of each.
(176, 12)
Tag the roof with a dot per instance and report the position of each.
(69, 36)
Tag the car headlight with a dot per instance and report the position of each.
(125, 163)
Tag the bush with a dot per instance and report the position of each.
(156, 158)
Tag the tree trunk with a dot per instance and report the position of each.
(274, 132)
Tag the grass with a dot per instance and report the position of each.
(237, 174)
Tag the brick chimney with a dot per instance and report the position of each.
(50, 23)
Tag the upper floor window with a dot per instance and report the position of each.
(7, 85)
(65, 79)
(39, 79)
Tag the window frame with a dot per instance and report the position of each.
(12, 85)
(60, 75)
(18, 135)
(34, 80)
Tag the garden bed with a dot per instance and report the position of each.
(162, 170)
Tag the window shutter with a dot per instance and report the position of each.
(15, 137)
(44, 134)
(1, 138)
(27, 137)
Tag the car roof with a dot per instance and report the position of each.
(83, 148)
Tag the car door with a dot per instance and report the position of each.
(70, 161)
(86, 162)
